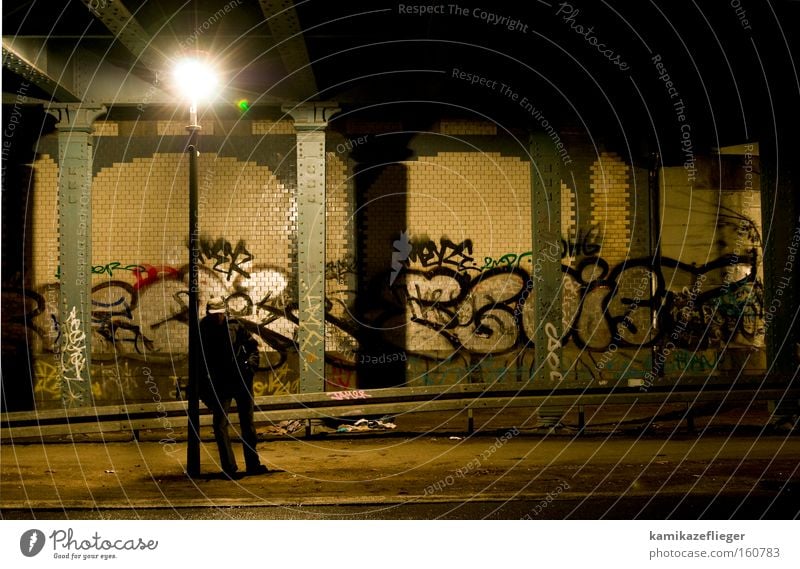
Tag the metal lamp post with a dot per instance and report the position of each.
(197, 82)
(193, 440)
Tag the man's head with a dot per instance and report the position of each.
(215, 305)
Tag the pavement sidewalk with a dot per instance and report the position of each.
(428, 459)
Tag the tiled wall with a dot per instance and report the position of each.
(43, 232)
(483, 198)
(611, 205)
(272, 127)
(449, 298)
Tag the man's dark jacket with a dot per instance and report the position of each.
(228, 358)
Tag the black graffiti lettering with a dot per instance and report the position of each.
(586, 243)
(339, 269)
(228, 259)
(448, 253)
(454, 254)
(446, 308)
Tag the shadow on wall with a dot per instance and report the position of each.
(18, 185)
(381, 216)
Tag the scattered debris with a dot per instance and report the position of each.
(456, 438)
(367, 425)
(283, 428)
(110, 472)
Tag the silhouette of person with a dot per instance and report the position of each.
(229, 358)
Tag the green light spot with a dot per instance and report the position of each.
(243, 105)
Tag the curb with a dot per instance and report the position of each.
(346, 501)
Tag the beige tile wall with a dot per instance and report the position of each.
(458, 195)
(43, 230)
(610, 202)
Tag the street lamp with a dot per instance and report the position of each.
(197, 82)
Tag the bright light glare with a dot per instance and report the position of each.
(195, 79)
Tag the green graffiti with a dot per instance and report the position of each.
(108, 269)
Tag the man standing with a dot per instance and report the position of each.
(229, 358)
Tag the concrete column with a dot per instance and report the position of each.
(310, 121)
(75, 247)
(546, 271)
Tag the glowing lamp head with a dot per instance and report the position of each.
(195, 79)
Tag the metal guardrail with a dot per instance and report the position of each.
(360, 403)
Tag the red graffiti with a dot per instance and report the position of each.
(149, 274)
